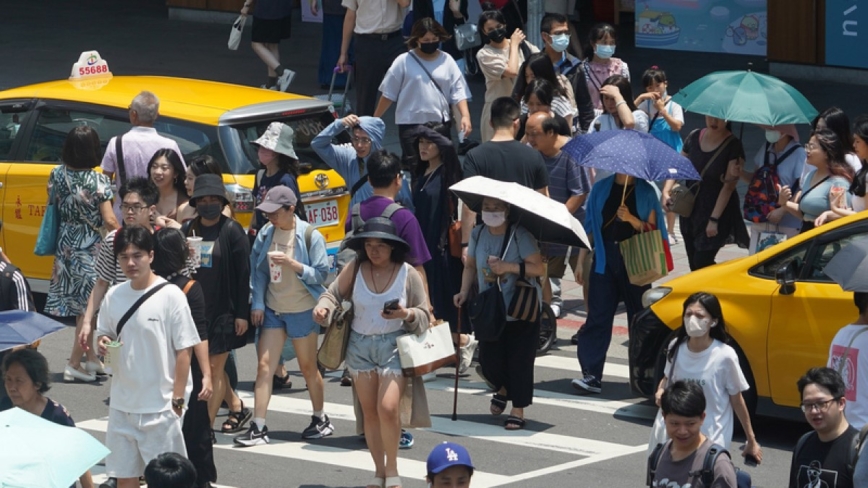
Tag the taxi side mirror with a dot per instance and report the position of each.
(786, 277)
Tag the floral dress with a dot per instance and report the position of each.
(78, 195)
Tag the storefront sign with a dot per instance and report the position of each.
(847, 33)
(728, 26)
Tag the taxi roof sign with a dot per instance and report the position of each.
(90, 64)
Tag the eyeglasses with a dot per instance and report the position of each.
(810, 146)
(818, 406)
(364, 141)
(132, 208)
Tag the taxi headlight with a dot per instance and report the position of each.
(654, 295)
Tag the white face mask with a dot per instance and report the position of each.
(773, 136)
(697, 327)
(493, 219)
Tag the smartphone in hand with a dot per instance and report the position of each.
(390, 305)
(750, 461)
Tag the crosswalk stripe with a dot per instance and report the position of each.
(570, 363)
(98, 474)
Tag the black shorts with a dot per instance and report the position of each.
(271, 31)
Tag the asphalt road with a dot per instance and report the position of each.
(569, 440)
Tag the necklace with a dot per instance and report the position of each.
(430, 175)
(377, 289)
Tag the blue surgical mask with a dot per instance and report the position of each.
(560, 42)
(605, 51)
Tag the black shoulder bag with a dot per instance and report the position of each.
(144, 298)
(487, 310)
(119, 155)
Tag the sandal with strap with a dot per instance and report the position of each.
(376, 483)
(392, 481)
(235, 420)
(514, 423)
(498, 404)
(281, 382)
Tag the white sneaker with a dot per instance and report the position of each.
(556, 310)
(285, 79)
(465, 354)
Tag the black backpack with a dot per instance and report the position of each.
(345, 254)
(706, 474)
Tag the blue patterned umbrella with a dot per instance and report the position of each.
(631, 153)
(18, 328)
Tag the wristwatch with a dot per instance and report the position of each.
(178, 403)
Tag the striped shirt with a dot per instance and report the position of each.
(22, 292)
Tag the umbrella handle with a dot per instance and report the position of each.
(624, 193)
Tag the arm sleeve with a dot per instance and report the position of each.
(412, 233)
(332, 154)
(724, 473)
(196, 302)
(21, 292)
(350, 4)
(103, 188)
(583, 100)
(317, 271)
(641, 119)
(734, 378)
(104, 325)
(541, 176)
(240, 255)
(677, 112)
(109, 161)
(492, 64)
(527, 245)
(457, 85)
(577, 178)
(184, 333)
(469, 169)
(105, 260)
(394, 80)
(258, 274)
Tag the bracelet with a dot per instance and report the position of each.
(713, 219)
(619, 103)
(464, 244)
(521, 267)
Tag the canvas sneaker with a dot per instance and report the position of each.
(253, 437)
(466, 354)
(285, 79)
(406, 441)
(588, 384)
(318, 428)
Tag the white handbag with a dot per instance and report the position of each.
(425, 353)
(235, 33)
(466, 37)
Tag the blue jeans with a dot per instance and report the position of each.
(605, 292)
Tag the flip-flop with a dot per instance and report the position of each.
(377, 482)
(514, 423)
(393, 481)
(498, 404)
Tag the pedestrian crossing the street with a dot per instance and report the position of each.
(550, 450)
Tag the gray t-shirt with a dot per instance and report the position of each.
(676, 474)
(482, 244)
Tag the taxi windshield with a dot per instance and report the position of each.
(243, 158)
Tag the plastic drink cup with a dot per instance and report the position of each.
(275, 269)
(195, 244)
(112, 349)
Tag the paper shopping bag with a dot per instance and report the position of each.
(645, 257)
(427, 352)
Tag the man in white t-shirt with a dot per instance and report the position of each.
(854, 369)
(151, 368)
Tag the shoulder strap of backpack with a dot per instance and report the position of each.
(119, 156)
(786, 154)
(189, 285)
(362, 180)
(800, 444)
(390, 210)
(853, 453)
(356, 220)
(308, 234)
(653, 461)
(707, 473)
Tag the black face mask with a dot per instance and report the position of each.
(209, 211)
(429, 47)
(497, 35)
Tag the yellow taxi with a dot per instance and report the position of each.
(203, 117)
(781, 312)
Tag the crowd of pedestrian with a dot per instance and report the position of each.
(212, 280)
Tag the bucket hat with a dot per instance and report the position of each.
(447, 455)
(377, 228)
(276, 198)
(278, 137)
(208, 185)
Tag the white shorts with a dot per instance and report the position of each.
(136, 438)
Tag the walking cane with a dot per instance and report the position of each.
(457, 366)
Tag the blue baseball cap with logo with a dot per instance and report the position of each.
(447, 455)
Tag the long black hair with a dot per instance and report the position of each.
(542, 68)
(170, 252)
(177, 167)
(838, 122)
(711, 305)
(436, 132)
(860, 130)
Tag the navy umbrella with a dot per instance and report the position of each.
(19, 328)
(631, 153)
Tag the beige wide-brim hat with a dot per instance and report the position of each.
(278, 137)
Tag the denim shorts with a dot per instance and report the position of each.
(297, 325)
(378, 352)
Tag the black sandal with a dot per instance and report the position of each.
(514, 423)
(236, 420)
(281, 382)
(498, 404)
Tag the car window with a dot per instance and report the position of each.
(824, 254)
(769, 267)
(11, 118)
(53, 124)
(305, 129)
(193, 139)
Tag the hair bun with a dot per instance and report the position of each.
(488, 6)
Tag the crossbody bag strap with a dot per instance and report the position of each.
(119, 156)
(713, 158)
(123, 321)
(430, 77)
(358, 185)
(189, 285)
(809, 190)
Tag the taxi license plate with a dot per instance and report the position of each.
(322, 214)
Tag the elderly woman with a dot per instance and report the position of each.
(26, 377)
(83, 199)
(618, 207)
(282, 305)
(388, 299)
(826, 183)
(499, 251)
